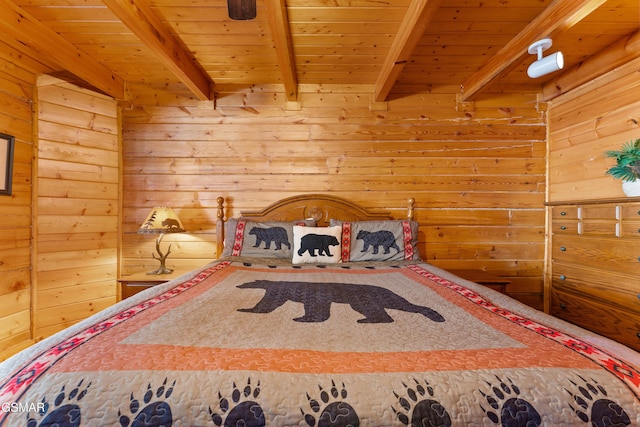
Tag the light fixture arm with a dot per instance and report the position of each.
(540, 50)
(539, 47)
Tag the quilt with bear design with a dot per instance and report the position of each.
(241, 343)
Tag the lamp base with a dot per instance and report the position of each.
(161, 270)
(161, 257)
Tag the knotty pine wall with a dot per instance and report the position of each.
(17, 81)
(77, 204)
(476, 171)
(62, 266)
(598, 116)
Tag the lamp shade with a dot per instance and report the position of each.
(161, 220)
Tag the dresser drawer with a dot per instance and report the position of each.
(606, 286)
(610, 254)
(600, 212)
(630, 229)
(565, 227)
(600, 227)
(565, 212)
(630, 211)
(619, 325)
(600, 220)
(630, 221)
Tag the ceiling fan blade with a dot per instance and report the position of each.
(241, 10)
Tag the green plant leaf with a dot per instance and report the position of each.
(627, 166)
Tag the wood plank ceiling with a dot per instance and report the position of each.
(389, 47)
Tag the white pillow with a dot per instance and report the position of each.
(316, 244)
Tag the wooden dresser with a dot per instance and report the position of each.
(595, 267)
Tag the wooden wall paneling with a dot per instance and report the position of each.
(119, 210)
(341, 183)
(608, 124)
(606, 93)
(477, 176)
(592, 264)
(52, 318)
(588, 121)
(77, 204)
(17, 81)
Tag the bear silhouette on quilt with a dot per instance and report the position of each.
(368, 300)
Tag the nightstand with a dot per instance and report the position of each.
(134, 283)
(486, 279)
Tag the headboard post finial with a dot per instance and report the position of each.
(220, 207)
(411, 202)
(220, 227)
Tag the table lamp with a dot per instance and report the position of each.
(160, 221)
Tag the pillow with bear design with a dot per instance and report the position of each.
(316, 244)
(391, 240)
(272, 239)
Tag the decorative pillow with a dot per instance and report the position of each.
(391, 240)
(316, 244)
(260, 239)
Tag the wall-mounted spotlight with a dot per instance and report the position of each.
(542, 66)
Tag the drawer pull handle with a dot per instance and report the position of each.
(562, 227)
(562, 249)
(638, 334)
(563, 213)
(563, 277)
(563, 306)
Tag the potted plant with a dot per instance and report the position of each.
(627, 166)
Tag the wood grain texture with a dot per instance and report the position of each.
(77, 206)
(394, 48)
(60, 53)
(478, 178)
(594, 260)
(477, 169)
(593, 256)
(620, 325)
(585, 123)
(16, 90)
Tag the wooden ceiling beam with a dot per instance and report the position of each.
(279, 23)
(621, 52)
(27, 30)
(141, 20)
(415, 22)
(557, 17)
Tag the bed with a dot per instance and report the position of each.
(295, 330)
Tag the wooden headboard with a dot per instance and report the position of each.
(320, 207)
